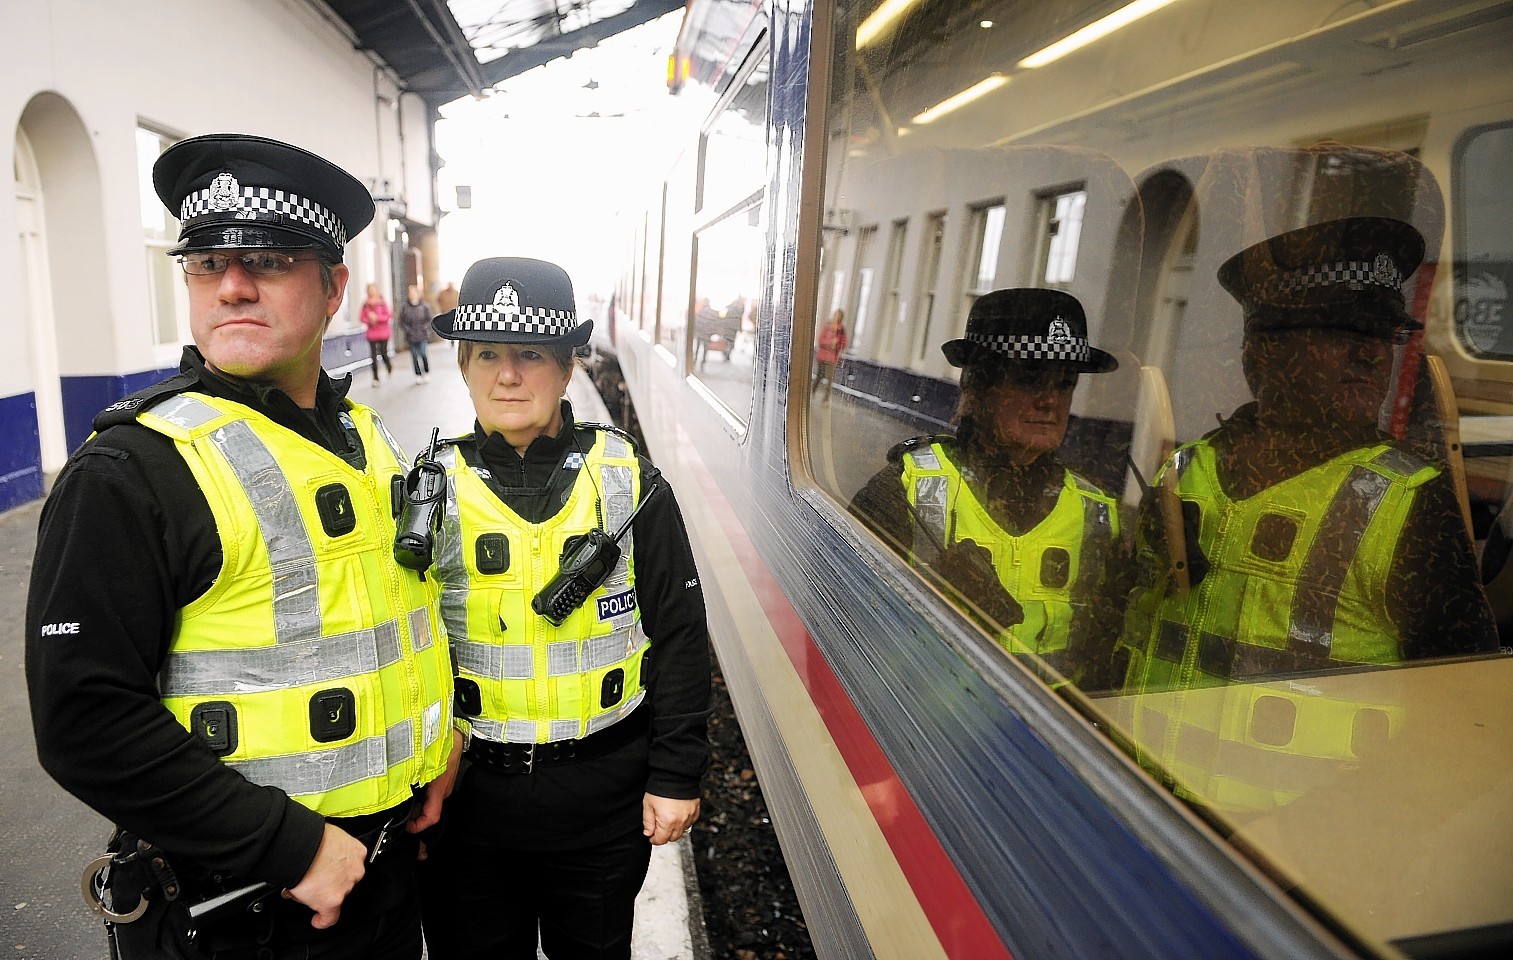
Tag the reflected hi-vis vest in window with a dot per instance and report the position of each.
(1296, 582)
(538, 682)
(314, 663)
(1052, 569)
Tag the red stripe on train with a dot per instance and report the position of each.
(958, 921)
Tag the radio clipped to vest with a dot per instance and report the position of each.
(421, 505)
(587, 561)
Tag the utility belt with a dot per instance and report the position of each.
(152, 912)
(526, 757)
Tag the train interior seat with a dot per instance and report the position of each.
(1155, 433)
(1434, 431)
(1434, 428)
(1497, 571)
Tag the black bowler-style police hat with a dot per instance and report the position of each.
(231, 190)
(515, 300)
(1343, 274)
(1028, 325)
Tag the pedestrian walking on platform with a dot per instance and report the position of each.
(415, 321)
(375, 316)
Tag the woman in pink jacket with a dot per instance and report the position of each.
(375, 316)
(827, 357)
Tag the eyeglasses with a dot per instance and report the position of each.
(259, 263)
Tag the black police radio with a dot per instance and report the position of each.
(587, 561)
(420, 509)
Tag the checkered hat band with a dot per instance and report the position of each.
(1351, 273)
(1034, 348)
(268, 200)
(550, 323)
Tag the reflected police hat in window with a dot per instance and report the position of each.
(515, 300)
(231, 190)
(1343, 274)
(1029, 326)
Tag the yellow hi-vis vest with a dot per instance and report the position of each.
(1052, 569)
(314, 663)
(1296, 582)
(537, 682)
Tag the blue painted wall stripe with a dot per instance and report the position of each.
(20, 451)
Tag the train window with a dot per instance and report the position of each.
(728, 246)
(675, 248)
(733, 155)
(1221, 445)
(646, 314)
(1485, 254)
(727, 273)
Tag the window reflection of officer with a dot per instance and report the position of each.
(588, 732)
(992, 510)
(1312, 541)
(224, 657)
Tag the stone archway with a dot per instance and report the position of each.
(37, 310)
(72, 319)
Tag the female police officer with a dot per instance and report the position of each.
(581, 660)
(991, 510)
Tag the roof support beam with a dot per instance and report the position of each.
(517, 62)
(451, 43)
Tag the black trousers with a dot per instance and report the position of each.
(380, 920)
(487, 902)
(379, 349)
(487, 889)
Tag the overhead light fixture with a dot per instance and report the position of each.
(981, 88)
(986, 24)
(881, 19)
(1122, 17)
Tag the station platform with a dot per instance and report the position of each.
(51, 835)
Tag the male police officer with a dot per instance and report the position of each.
(247, 678)
(992, 510)
(1311, 541)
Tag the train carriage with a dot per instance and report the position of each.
(935, 795)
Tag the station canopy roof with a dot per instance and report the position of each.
(446, 49)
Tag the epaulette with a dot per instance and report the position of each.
(608, 428)
(896, 454)
(126, 409)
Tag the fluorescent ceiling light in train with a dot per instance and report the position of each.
(881, 19)
(1120, 18)
(979, 89)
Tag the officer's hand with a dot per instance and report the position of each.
(438, 790)
(339, 864)
(967, 568)
(665, 820)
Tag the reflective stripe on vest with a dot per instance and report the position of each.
(539, 683)
(1269, 607)
(302, 615)
(1082, 523)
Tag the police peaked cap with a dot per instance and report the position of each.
(1028, 325)
(231, 190)
(515, 300)
(1343, 274)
